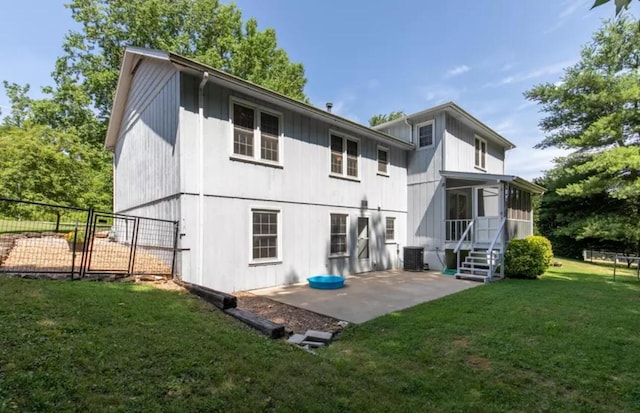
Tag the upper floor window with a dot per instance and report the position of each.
(424, 132)
(256, 132)
(344, 149)
(383, 160)
(480, 153)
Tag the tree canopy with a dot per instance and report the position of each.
(382, 118)
(78, 103)
(594, 111)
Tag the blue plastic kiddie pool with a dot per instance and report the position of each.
(326, 282)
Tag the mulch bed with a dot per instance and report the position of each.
(295, 320)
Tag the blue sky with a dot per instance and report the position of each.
(371, 57)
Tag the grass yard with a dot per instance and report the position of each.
(567, 342)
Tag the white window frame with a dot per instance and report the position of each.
(344, 254)
(271, 260)
(383, 149)
(483, 155)
(386, 237)
(257, 135)
(433, 134)
(345, 138)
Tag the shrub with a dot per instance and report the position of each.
(528, 257)
(79, 237)
(544, 244)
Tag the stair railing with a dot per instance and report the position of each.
(461, 240)
(492, 246)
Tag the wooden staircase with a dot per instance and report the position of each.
(481, 265)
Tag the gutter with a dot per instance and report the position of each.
(203, 82)
(234, 82)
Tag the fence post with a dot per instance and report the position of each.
(85, 249)
(615, 262)
(175, 249)
(58, 222)
(73, 248)
(134, 245)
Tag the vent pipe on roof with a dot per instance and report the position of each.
(329, 106)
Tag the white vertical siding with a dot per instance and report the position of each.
(460, 152)
(425, 195)
(302, 189)
(146, 153)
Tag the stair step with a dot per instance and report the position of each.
(474, 270)
(473, 277)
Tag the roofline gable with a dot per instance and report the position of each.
(133, 54)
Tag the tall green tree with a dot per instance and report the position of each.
(42, 164)
(79, 101)
(379, 119)
(595, 111)
(206, 30)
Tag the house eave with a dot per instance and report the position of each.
(513, 179)
(132, 55)
(454, 109)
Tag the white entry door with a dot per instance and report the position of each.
(487, 212)
(363, 244)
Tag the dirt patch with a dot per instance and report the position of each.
(479, 363)
(461, 342)
(296, 320)
(52, 254)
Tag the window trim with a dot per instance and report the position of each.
(433, 134)
(482, 154)
(383, 149)
(345, 138)
(346, 253)
(265, 261)
(257, 135)
(386, 239)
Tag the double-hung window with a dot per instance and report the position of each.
(390, 229)
(424, 133)
(256, 133)
(265, 235)
(344, 149)
(338, 234)
(480, 153)
(383, 160)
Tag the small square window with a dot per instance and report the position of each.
(425, 134)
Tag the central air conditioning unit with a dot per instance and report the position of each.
(413, 258)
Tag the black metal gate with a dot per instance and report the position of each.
(38, 238)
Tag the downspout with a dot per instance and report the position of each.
(203, 82)
(406, 121)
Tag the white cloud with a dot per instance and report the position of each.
(457, 71)
(435, 94)
(570, 8)
(547, 70)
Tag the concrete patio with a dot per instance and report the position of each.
(369, 295)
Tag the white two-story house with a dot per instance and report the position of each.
(269, 190)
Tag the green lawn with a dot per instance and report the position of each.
(568, 342)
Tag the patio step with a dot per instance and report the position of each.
(477, 265)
